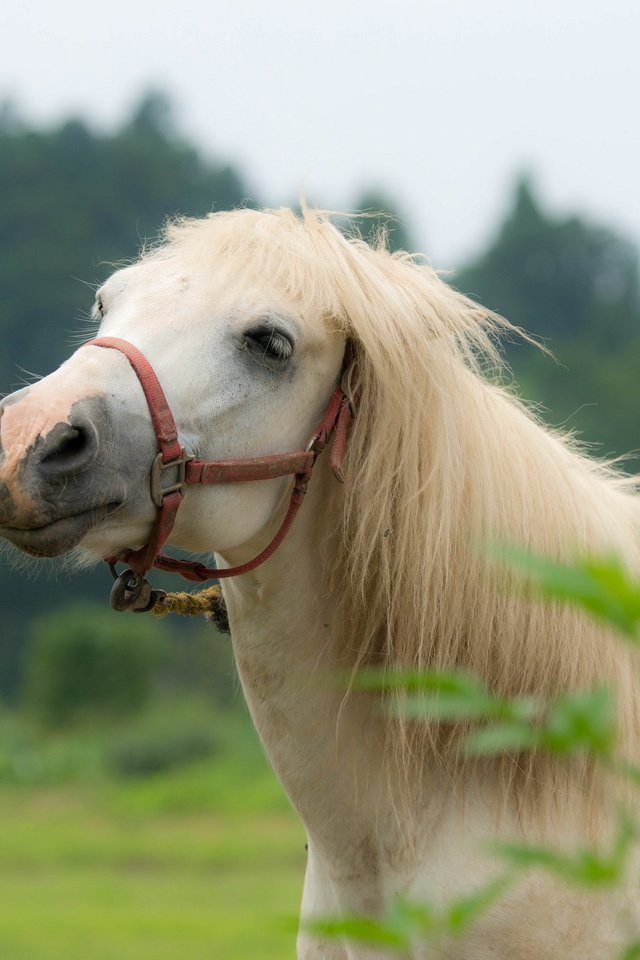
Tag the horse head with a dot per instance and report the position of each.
(246, 371)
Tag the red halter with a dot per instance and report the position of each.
(187, 470)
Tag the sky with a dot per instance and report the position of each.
(440, 104)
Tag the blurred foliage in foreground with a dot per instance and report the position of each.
(574, 723)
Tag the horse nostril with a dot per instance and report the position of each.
(69, 447)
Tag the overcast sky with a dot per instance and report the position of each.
(440, 103)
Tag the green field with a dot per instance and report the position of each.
(202, 861)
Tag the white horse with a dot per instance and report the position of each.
(244, 317)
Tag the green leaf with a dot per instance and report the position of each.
(406, 923)
(462, 913)
(402, 924)
(413, 919)
(432, 694)
(455, 682)
(360, 929)
(600, 586)
(446, 695)
(631, 951)
(587, 867)
(442, 706)
(628, 770)
(502, 738)
(582, 721)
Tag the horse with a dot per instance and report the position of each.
(250, 321)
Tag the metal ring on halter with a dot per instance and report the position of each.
(133, 592)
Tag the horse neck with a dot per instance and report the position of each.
(290, 670)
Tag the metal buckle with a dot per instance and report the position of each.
(158, 492)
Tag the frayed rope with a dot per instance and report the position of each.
(208, 602)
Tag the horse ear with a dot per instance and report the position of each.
(349, 353)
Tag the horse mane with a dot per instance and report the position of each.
(440, 461)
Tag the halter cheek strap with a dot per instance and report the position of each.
(173, 468)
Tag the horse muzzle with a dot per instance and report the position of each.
(55, 481)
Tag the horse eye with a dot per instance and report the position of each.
(269, 343)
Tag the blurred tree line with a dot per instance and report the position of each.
(575, 286)
(73, 201)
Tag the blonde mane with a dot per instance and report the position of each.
(440, 461)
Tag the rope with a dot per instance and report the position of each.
(208, 602)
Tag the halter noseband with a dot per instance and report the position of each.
(131, 590)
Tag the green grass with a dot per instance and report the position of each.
(204, 861)
(140, 912)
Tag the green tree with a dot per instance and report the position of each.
(577, 287)
(558, 277)
(382, 217)
(72, 201)
(86, 662)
